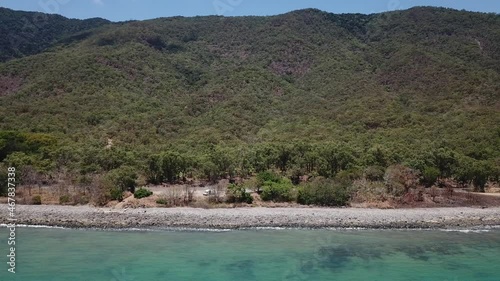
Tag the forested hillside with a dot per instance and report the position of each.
(304, 93)
(28, 33)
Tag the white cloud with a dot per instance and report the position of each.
(98, 2)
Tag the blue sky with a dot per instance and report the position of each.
(119, 10)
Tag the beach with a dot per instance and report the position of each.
(239, 218)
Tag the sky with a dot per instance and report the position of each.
(121, 10)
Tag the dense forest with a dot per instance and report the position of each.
(413, 94)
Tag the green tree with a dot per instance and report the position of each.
(208, 169)
(323, 192)
(10, 141)
(335, 158)
(223, 161)
(154, 171)
(113, 158)
(399, 179)
(120, 180)
(284, 157)
(264, 157)
(430, 176)
(238, 194)
(463, 172)
(172, 164)
(481, 171)
(445, 160)
(281, 191)
(377, 156)
(267, 177)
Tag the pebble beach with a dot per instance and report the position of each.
(239, 218)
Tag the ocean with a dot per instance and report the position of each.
(53, 254)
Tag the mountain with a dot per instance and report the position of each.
(28, 33)
(407, 83)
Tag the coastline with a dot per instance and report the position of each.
(242, 218)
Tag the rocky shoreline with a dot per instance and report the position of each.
(237, 218)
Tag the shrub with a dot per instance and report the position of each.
(119, 180)
(162, 201)
(296, 174)
(80, 199)
(434, 192)
(115, 193)
(106, 188)
(64, 199)
(278, 191)
(100, 190)
(266, 177)
(36, 200)
(175, 197)
(252, 184)
(399, 179)
(348, 176)
(323, 192)
(142, 193)
(238, 194)
(374, 173)
(368, 191)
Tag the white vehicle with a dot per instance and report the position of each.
(209, 192)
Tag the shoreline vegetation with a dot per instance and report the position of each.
(397, 186)
(242, 218)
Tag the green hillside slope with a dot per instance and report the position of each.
(28, 33)
(411, 87)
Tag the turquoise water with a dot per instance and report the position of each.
(65, 254)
